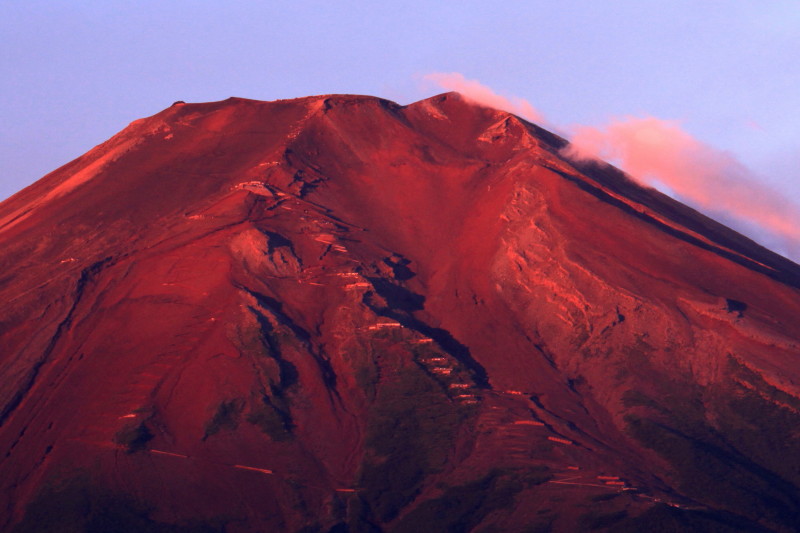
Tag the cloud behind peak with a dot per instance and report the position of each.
(658, 152)
(482, 94)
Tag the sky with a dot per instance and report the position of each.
(712, 82)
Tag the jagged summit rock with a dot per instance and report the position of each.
(337, 313)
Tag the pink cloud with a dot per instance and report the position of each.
(476, 91)
(754, 125)
(655, 151)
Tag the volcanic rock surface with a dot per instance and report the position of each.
(337, 313)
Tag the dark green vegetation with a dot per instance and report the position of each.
(266, 343)
(411, 432)
(268, 417)
(76, 506)
(271, 420)
(665, 519)
(464, 507)
(599, 520)
(730, 463)
(762, 420)
(226, 417)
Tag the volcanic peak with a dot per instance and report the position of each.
(337, 313)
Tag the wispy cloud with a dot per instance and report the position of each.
(480, 93)
(656, 151)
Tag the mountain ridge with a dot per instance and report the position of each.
(365, 312)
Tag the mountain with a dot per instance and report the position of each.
(337, 313)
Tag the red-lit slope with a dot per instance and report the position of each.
(336, 312)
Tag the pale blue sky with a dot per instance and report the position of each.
(73, 73)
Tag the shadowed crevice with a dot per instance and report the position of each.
(276, 308)
(401, 302)
(88, 274)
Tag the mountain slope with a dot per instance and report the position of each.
(337, 313)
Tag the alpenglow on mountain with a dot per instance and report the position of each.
(339, 314)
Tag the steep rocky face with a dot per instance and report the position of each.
(339, 314)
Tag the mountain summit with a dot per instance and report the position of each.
(337, 313)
